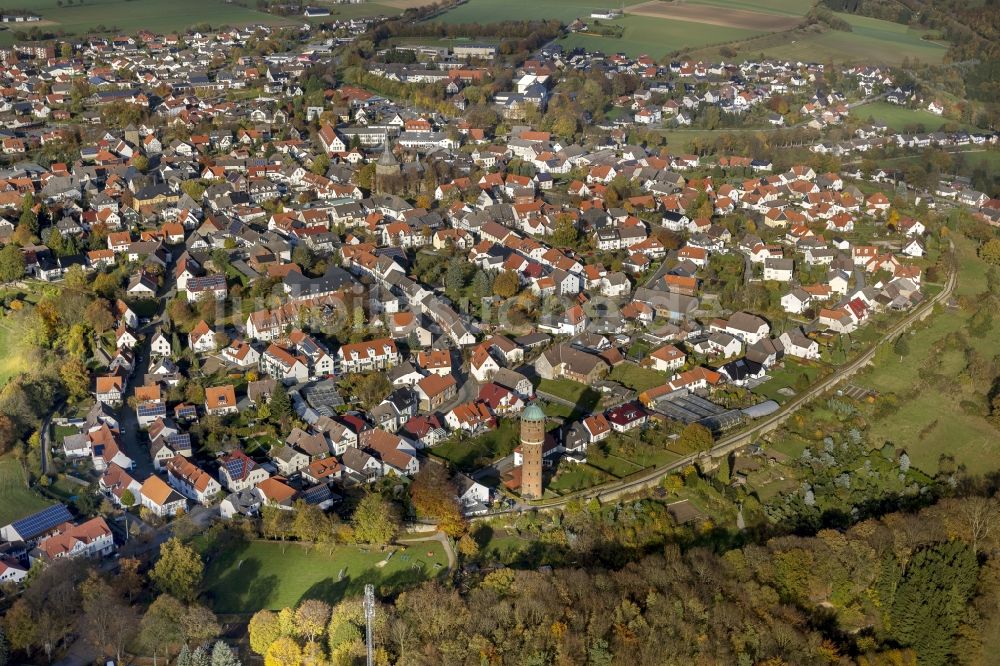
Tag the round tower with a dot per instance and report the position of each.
(386, 167)
(532, 444)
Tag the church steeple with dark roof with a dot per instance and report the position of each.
(387, 166)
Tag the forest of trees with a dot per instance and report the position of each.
(906, 589)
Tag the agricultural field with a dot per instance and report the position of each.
(653, 28)
(18, 500)
(267, 574)
(492, 11)
(732, 18)
(130, 16)
(363, 9)
(776, 7)
(657, 37)
(871, 40)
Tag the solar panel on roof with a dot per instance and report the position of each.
(151, 410)
(43, 521)
(235, 468)
(180, 440)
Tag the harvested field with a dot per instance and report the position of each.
(729, 18)
(405, 4)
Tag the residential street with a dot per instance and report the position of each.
(132, 438)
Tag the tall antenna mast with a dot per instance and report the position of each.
(369, 618)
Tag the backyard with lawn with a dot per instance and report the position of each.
(785, 382)
(249, 576)
(637, 378)
(470, 453)
(581, 395)
(18, 500)
(615, 458)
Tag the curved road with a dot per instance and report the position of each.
(739, 440)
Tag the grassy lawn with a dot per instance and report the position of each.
(558, 410)
(18, 501)
(791, 445)
(13, 360)
(580, 394)
(471, 454)
(787, 377)
(61, 431)
(503, 547)
(613, 464)
(898, 117)
(576, 477)
(636, 378)
(680, 139)
(620, 458)
(260, 444)
(931, 424)
(267, 574)
(767, 485)
(66, 489)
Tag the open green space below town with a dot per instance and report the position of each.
(898, 117)
(13, 360)
(964, 160)
(16, 499)
(130, 16)
(870, 40)
(930, 421)
(13, 355)
(249, 576)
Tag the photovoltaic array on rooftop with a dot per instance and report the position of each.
(43, 521)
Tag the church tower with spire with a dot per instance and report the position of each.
(387, 167)
(532, 445)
